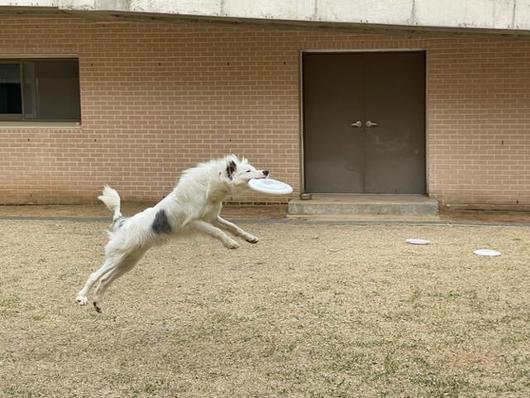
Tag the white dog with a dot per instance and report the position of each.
(193, 206)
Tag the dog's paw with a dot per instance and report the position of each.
(251, 239)
(232, 244)
(81, 300)
(96, 306)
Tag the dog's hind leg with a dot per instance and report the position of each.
(214, 232)
(122, 268)
(235, 230)
(109, 264)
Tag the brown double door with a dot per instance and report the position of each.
(364, 122)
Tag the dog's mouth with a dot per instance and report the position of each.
(261, 176)
(257, 175)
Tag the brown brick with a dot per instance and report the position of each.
(157, 98)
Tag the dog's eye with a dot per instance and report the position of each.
(248, 171)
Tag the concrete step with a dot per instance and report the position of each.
(323, 204)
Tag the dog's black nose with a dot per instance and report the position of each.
(266, 172)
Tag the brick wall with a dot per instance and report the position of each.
(157, 98)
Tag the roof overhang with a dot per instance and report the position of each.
(471, 16)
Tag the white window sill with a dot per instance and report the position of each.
(39, 125)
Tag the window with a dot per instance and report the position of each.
(40, 90)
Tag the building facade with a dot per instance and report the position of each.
(157, 96)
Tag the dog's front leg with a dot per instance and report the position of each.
(234, 229)
(216, 233)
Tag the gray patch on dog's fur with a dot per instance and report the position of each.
(161, 223)
(230, 168)
(119, 221)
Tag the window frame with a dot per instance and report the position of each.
(15, 116)
(21, 118)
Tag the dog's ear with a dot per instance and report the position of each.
(230, 168)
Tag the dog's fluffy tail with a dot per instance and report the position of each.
(112, 200)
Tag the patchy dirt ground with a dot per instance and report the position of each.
(313, 310)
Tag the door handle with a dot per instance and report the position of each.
(369, 123)
(358, 123)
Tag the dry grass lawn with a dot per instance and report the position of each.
(313, 310)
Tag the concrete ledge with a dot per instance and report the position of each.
(39, 125)
(502, 15)
(364, 204)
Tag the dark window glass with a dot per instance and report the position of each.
(50, 90)
(10, 89)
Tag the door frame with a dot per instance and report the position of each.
(359, 50)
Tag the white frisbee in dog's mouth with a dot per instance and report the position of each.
(270, 186)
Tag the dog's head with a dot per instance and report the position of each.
(240, 171)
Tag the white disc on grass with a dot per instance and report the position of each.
(487, 252)
(417, 241)
(270, 186)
